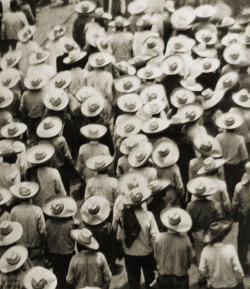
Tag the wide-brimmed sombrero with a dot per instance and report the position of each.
(9, 77)
(156, 125)
(10, 232)
(124, 68)
(180, 43)
(67, 44)
(61, 80)
(190, 112)
(225, 23)
(100, 59)
(99, 163)
(13, 129)
(129, 103)
(229, 120)
(10, 59)
(191, 84)
(154, 107)
(56, 32)
(152, 92)
(119, 22)
(74, 56)
(230, 38)
(172, 65)
(40, 153)
(85, 7)
(49, 127)
(201, 187)
(127, 84)
(85, 238)
(207, 146)
(181, 96)
(206, 33)
(35, 81)
(159, 185)
(149, 72)
(24, 190)
(203, 51)
(207, 65)
(140, 155)
(131, 142)
(227, 81)
(56, 100)
(26, 33)
(182, 18)
(131, 125)
(93, 131)
(210, 164)
(6, 97)
(137, 6)
(5, 196)
(8, 149)
(93, 105)
(204, 12)
(39, 56)
(242, 98)
(234, 54)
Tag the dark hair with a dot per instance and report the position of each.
(10, 159)
(80, 247)
(14, 6)
(230, 130)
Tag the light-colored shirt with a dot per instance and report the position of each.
(148, 172)
(89, 268)
(220, 263)
(42, 68)
(121, 44)
(9, 175)
(241, 199)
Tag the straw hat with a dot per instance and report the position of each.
(155, 125)
(26, 33)
(35, 81)
(10, 232)
(159, 185)
(24, 190)
(67, 44)
(74, 56)
(229, 120)
(243, 19)
(56, 100)
(165, 153)
(140, 155)
(137, 6)
(152, 92)
(119, 22)
(61, 80)
(180, 43)
(85, 7)
(100, 59)
(100, 14)
(49, 127)
(190, 112)
(13, 129)
(201, 187)
(39, 278)
(230, 38)
(7, 149)
(10, 59)
(176, 219)
(130, 181)
(93, 131)
(86, 92)
(172, 65)
(154, 107)
(13, 259)
(149, 72)
(219, 227)
(202, 51)
(40, 56)
(129, 102)
(95, 210)
(99, 163)
(236, 28)
(234, 54)
(103, 44)
(40, 153)
(227, 81)
(146, 20)
(139, 60)
(93, 105)
(205, 12)
(242, 98)
(131, 125)
(5, 196)
(207, 65)
(85, 238)
(182, 18)
(60, 207)
(207, 146)
(226, 22)
(210, 164)
(191, 84)
(125, 68)
(137, 195)
(56, 32)
(127, 84)
(181, 96)
(6, 97)
(9, 77)
(153, 46)
(206, 33)
(131, 142)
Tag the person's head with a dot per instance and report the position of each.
(14, 7)
(230, 130)
(11, 159)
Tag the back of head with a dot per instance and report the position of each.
(14, 6)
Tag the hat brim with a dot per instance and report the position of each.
(66, 75)
(68, 60)
(243, 19)
(133, 162)
(51, 132)
(69, 209)
(187, 108)
(64, 101)
(195, 87)
(121, 103)
(101, 131)
(16, 150)
(236, 99)
(3, 62)
(210, 187)
(208, 52)
(21, 128)
(33, 60)
(163, 184)
(138, 139)
(234, 78)
(215, 152)
(127, 177)
(215, 64)
(161, 106)
(218, 163)
(215, 99)
(175, 59)
(107, 59)
(92, 245)
(14, 75)
(91, 8)
(118, 83)
(139, 60)
(85, 111)
(15, 190)
(13, 236)
(128, 69)
(186, 11)
(174, 100)
(125, 23)
(200, 11)
(146, 195)
(90, 163)
(28, 84)
(156, 73)
(152, 89)
(32, 29)
(48, 148)
(164, 124)
(52, 36)
(238, 122)
(134, 9)
(120, 129)
(6, 196)
(8, 97)
(185, 224)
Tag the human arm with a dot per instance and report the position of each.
(70, 278)
(106, 273)
(59, 187)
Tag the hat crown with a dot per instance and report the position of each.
(38, 284)
(13, 257)
(93, 105)
(243, 94)
(99, 60)
(182, 99)
(59, 82)
(104, 44)
(178, 44)
(24, 191)
(229, 120)
(207, 36)
(2, 98)
(129, 127)
(209, 164)
(6, 228)
(164, 151)
(85, 7)
(94, 208)
(174, 218)
(132, 183)
(40, 54)
(93, 131)
(153, 124)
(154, 106)
(227, 81)
(35, 81)
(48, 123)
(119, 21)
(207, 94)
(10, 59)
(206, 146)
(151, 43)
(6, 80)
(127, 84)
(215, 228)
(40, 154)
(55, 100)
(234, 54)
(151, 96)
(191, 115)
(57, 207)
(148, 71)
(200, 189)
(207, 65)
(136, 195)
(85, 236)
(130, 144)
(154, 185)
(173, 66)
(140, 155)
(69, 46)
(99, 163)
(130, 103)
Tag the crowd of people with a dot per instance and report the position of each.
(128, 141)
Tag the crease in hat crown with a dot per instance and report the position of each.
(140, 155)
(209, 164)
(136, 195)
(85, 236)
(151, 96)
(38, 284)
(94, 208)
(163, 151)
(129, 127)
(40, 154)
(132, 183)
(6, 228)
(174, 218)
(59, 82)
(24, 190)
(153, 124)
(243, 95)
(13, 258)
(35, 81)
(207, 94)
(48, 123)
(57, 207)
(229, 120)
(190, 115)
(200, 188)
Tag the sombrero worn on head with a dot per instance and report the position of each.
(49, 127)
(13, 259)
(154, 107)
(218, 228)
(226, 22)
(203, 51)
(35, 81)
(100, 59)
(39, 278)
(176, 219)
(165, 153)
(190, 112)
(207, 146)
(191, 84)
(139, 60)
(227, 81)
(6, 97)
(86, 92)
(74, 56)
(56, 100)
(130, 181)
(149, 72)
(243, 19)
(152, 46)
(61, 80)
(5, 196)
(146, 21)
(100, 14)
(7, 149)
(95, 210)
(234, 54)
(26, 33)
(156, 125)
(40, 153)
(127, 84)
(10, 232)
(140, 155)
(93, 105)
(210, 164)
(93, 131)
(152, 92)
(180, 43)
(56, 32)
(99, 163)
(24, 190)
(85, 238)
(10, 59)
(13, 129)
(230, 38)
(207, 65)
(124, 68)
(137, 195)
(201, 187)
(60, 207)
(68, 44)
(172, 65)
(40, 56)
(236, 28)
(130, 103)
(137, 6)
(159, 185)
(119, 22)
(206, 33)
(181, 96)
(85, 7)
(205, 12)
(242, 98)
(182, 18)
(131, 142)
(229, 120)
(103, 44)
(170, 6)
(131, 125)
(9, 77)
